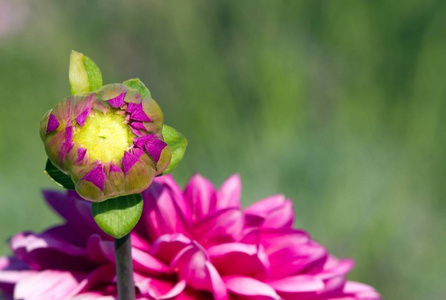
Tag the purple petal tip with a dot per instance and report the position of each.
(53, 124)
(118, 101)
(81, 154)
(154, 148)
(96, 176)
(83, 117)
(131, 158)
(137, 113)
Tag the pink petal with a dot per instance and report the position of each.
(140, 241)
(219, 290)
(162, 214)
(12, 270)
(289, 252)
(160, 289)
(77, 212)
(102, 275)
(250, 288)
(192, 265)
(145, 263)
(47, 250)
(93, 296)
(361, 291)
(333, 287)
(229, 193)
(297, 284)
(99, 250)
(334, 267)
(168, 245)
(47, 284)
(200, 196)
(222, 226)
(239, 259)
(276, 211)
(175, 192)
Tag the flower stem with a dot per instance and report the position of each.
(124, 268)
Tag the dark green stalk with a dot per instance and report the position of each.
(124, 268)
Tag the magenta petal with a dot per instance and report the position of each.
(53, 124)
(200, 196)
(137, 113)
(175, 192)
(162, 213)
(250, 288)
(229, 193)
(118, 101)
(220, 227)
(276, 211)
(130, 158)
(96, 176)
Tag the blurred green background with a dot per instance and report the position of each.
(340, 105)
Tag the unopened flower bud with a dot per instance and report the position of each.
(109, 141)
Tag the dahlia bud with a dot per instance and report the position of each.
(109, 141)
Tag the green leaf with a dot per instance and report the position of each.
(137, 85)
(58, 176)
(177, 143)
(118, 216)
(84, 75)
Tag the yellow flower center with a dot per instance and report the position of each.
(105, 136)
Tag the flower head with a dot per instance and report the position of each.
(109, 141)
(193, 244)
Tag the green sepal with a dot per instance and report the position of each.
(58, 176)
(177, 143)
(118, 216)
(84, 75)
(137, 85)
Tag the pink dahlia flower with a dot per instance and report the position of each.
(193, 244)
